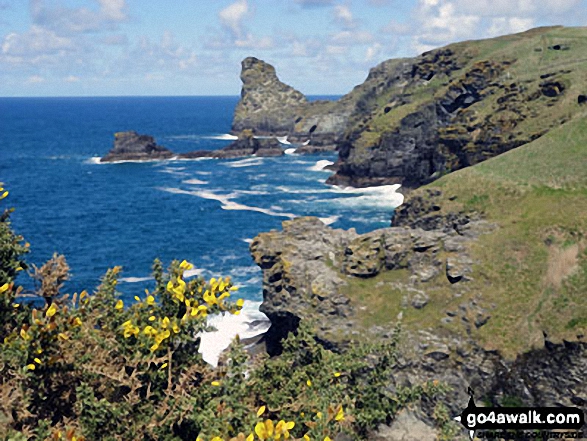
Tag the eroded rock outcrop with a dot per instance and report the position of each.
(307, 265)
(130, 146)
(245, 145)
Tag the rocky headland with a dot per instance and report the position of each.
(416, 119)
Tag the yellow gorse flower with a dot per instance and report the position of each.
(283, 428)
(264, 430)
(51, 311)
(130, 329)
(119, 305)
(178, 291)
(4, 287)
(185, 265)
(24, 335)
(261, 411)
(339, 415)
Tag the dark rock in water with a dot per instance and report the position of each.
(130, 146)
(310, 149)
(245, 145)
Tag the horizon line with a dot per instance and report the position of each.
(145, 96)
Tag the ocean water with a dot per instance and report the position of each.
(205, 211)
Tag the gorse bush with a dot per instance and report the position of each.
(92, 367)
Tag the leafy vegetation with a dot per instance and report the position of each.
(90, 367)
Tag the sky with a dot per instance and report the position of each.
(194, 47)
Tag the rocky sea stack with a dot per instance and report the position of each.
(130, 146)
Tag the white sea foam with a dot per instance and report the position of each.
(321, 165)
(184, 137)
(248, 162)
(306, 142)
(249, 323)
(289, 151)
(176, 171)
(329, 220)
(384, 196)
(193, 272)
(93, 160)
(226, 201)
(247, 240)
(283, 140)
(203, 173)
(223, 137)
(194, 182)
(135, 279)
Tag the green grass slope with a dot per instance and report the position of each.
(531, 273)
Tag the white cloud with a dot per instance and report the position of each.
(79, 20)
(154, 57)
(344, 16)
(251, 42)
(72, 79)
(232, 17)
(509, 25)
(113, 9)
(36, 41)
(348, 38)
(35, 79)
(372, 52)
(436, 23)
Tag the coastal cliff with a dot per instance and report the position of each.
(485, 270)
(416, 119)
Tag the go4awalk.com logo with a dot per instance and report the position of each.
(521, 422)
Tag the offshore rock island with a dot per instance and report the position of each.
(130, 146)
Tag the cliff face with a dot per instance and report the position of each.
(486, 269)
(462, 104)
(414, 120)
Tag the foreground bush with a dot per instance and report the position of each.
(92, 367)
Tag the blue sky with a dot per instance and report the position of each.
(194, 47)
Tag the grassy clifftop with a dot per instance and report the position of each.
(459, 105)
(531, 272)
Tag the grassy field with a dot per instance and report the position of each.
(531, 273)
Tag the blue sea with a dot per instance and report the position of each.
(205, 211)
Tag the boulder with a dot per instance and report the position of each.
(406, 426)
